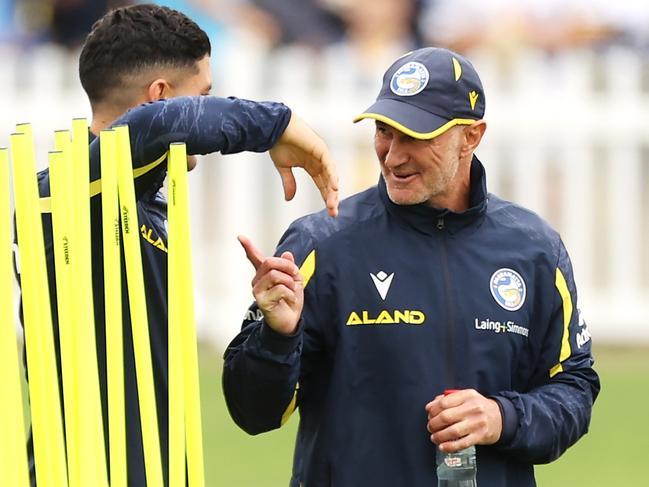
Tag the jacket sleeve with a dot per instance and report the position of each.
(205, 123)
(262, 368)
(540, 424)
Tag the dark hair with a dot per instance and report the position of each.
(130, 40)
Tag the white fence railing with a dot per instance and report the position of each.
(568, 136)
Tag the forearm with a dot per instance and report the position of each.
(260, 376)
(205, 124)
(538, 426)
(555, 409)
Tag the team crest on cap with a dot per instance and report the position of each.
(409, 79)
(508, 289)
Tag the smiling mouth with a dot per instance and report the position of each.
(403, 178)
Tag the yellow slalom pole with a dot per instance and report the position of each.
(91, 427)
(62, 222)
(137, 303)
(113, 310)
(49, 449)
(181, 294)
(13, 441)
(175, 325)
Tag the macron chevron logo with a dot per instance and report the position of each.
(382, 283)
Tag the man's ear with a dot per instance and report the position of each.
(159, 89)
(472, 137)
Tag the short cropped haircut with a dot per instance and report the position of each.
(130, 40)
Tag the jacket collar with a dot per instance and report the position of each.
(433, 220)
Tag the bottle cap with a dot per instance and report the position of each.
(450, 391)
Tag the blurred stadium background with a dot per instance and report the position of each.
(567, 88)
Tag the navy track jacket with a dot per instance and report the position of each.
(402, 302)
(206, 124)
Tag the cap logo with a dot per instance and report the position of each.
(409, 79)
(473, 98)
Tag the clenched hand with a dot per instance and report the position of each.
(463, 419)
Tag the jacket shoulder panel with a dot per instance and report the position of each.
(320, 227)
(524, 225)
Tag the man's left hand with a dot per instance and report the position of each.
(300, 146)
(463, 419)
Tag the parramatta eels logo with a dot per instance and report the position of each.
(409, 79)
(508, 289)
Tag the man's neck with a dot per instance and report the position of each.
(103, 118)
(99, 124)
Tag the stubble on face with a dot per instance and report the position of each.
(437, 165)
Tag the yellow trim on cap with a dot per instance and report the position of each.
(412, 133)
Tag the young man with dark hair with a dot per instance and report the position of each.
(157, 60)
(139, 54)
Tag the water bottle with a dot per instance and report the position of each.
(456, 469)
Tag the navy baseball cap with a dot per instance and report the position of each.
(428, 91)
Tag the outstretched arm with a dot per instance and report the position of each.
(209, 124)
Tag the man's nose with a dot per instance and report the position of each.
(396, 155)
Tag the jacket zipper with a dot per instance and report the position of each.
(451, 379)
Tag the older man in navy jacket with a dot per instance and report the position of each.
(423, 283)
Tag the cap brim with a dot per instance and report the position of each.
(409, 119)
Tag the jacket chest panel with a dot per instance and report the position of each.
(410, 303)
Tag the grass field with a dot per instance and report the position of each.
(613, 453)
